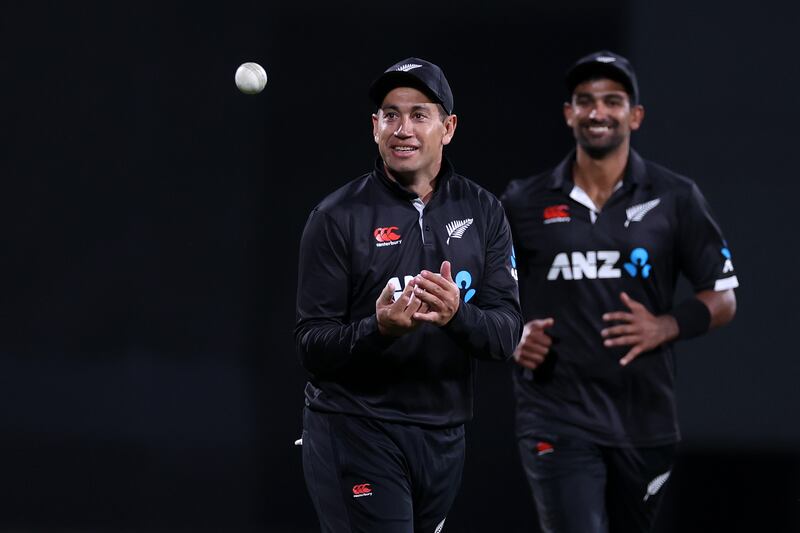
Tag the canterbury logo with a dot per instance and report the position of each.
(362, 489)
(456, 229)
(386, 236)
(636, 213)
(407, 67)
(543, 448)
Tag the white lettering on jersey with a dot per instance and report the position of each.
(607, 270)
(398, 290)
(585, 265)
(560, 266)
(728, 267)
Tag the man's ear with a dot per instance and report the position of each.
(450, 124)
(569, 114)
(637, 117)
(375, 127)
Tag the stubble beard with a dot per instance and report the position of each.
(601, 148)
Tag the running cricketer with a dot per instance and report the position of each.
(405, 279)
(600, 242)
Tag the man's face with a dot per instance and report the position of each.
(601, 116)
(410, 132)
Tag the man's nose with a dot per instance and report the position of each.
(404, 129)
(599, 111)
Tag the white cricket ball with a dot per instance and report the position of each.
(251, 78)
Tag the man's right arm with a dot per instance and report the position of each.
(324, 335)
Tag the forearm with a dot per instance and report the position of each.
(705, 311)
(721, 305)
(326, 344)
(486, 333)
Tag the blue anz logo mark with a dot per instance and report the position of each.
(728, 262)
(639, 257)
(514, 265)
(464, 281)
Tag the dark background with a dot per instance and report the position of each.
(151, 215)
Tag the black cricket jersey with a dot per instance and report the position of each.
(372, 231)
(573, 263)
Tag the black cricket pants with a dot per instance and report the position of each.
(583, 487)
(370, 476)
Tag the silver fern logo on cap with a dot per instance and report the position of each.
(456, 229)
(407, 67)
(636, 213)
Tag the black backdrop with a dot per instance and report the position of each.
(151, 214)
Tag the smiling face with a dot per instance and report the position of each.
(601, 117)
(411, 134)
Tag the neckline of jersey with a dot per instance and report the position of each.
(395, 188)
(635, 172)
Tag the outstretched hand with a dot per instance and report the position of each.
(639, 328)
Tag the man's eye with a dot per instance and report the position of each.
(390, 115)
(420, 116)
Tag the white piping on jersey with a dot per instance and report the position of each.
(420, 206)
(726, 283)
(580, 196)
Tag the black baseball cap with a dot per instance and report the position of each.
(418, 74)
(606, 64)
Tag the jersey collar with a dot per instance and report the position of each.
(379, 174)
(635, 172)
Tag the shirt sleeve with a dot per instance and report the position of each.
(489, 326)
(324, 335)
(703, 254)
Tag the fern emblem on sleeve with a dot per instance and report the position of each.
(456, 229)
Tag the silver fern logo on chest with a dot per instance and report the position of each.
(636, 213)
(456, 229)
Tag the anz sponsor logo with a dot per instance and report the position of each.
(398, 289)
(638, 264)
(589, 265)
(464, 282)
(513, 258)
(599, 264)
(463, 279)
(728, 267)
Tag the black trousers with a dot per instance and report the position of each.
(582, 487)
(370, 476)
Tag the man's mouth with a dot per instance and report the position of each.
(404, 149)
(598, 129)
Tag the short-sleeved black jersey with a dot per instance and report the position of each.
(372, 231)
(574, 262)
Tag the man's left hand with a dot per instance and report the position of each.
(441, 294)
(640, 329)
